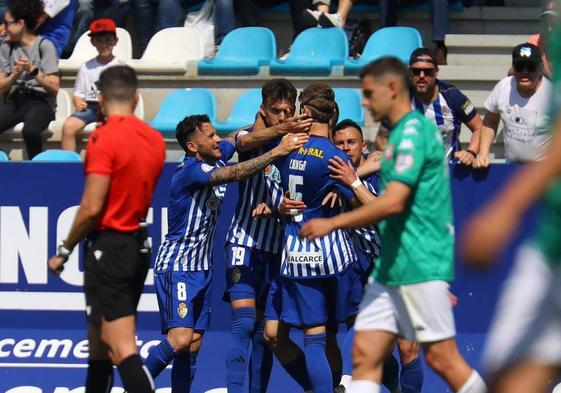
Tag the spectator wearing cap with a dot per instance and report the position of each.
(29, 77)
(445, 105)
(522, 102)
(86, 103)
(550, 16)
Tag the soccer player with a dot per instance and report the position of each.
(410, 296)
(445, 105)
(253, 246)
(523, 353)
(183, 267)
(315, 284)
(117, 194)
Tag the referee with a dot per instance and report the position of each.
(117, 194)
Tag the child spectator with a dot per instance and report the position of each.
(104, 38)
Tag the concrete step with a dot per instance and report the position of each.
(480, 42)
(479, 59)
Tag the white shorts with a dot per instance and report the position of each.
(527, 322)
(418, 312)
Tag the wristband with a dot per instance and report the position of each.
(474, 154)
(62, 251)
(356, 184)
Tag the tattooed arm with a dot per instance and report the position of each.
(248, 168)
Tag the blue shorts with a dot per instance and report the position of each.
(184, 299)
(316, 301)
(89, 115)
(249, 273)
(273, 308)
(359, 271)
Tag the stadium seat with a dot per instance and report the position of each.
(4, 156)
(58, 156)
(388, 41)
(170, 50)
(84, 51)
(181, 103)
(243, 112)
(138, 111)
(314, 52)
(348, 101)
(236, 57)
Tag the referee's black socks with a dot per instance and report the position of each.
(135, 375)
(100, 376)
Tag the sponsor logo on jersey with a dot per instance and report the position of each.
(307, 258)
(213, 203)
(403, 162)
(388, 153)
(406, 144)
(311, 151)
(410, 131)
(272, 173)
(236, 275)
(468, 107)
(182, 310)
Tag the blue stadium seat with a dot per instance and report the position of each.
(388, 41)
(348, 101)
(314, 52)
(181, 103)
(4, 156)
(242, 52)
(58, 156)
(243, 112)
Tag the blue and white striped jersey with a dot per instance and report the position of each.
(305, 174)
(263, 234)
(450, 109)
(194, 206)
(367, 239)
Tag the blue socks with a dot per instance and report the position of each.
(317, 364)
(243, 321)
(297, 369)
(261, 361)
(183, 371)
(159, 358)
(390, 378)
(412, 376)
(347, 352)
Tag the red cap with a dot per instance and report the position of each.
(104, 25)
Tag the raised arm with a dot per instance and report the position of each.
(259, 136)
(248, 168)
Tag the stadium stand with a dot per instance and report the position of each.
(236, 57)
(382, 43)
(84, 51)
(57, 156)
(243, 112)
(4, 156)
(170, 50)
(348, 101)
(138, 111)
(314, 52)
(181, 103)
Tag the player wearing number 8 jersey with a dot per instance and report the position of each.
(183, 267)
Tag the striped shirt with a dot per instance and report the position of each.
(450, 109)
(306, 175)
(263, 234)
(367, 239)
(194, 206)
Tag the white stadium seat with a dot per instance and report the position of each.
(170, 50)
(84, 51)
(138, 111)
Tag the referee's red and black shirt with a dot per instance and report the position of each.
(132, 154)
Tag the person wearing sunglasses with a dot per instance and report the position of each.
(445, 105)
(521, 101)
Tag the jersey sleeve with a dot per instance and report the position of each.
(49, 58)
(197, 174)
(463, 108)
(99, 155)
(410, 156)
(228, 149)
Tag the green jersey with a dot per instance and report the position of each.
(418, 243)
(548, 234)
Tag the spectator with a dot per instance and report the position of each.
(103, 35)
(29, 75)
(250, 12)
(522, 102)
(388, 17)
(445, 105)
(87, 10)
(550, 16)
(56, 22)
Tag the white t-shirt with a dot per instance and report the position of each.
(86, 85)
(526, 121)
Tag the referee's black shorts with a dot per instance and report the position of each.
(115, 267)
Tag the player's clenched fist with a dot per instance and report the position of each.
(56, 265)
(317, 228)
